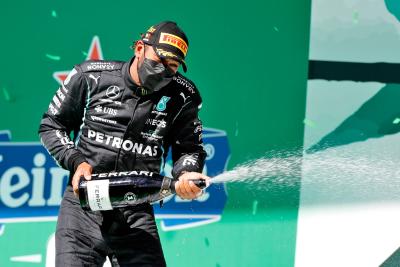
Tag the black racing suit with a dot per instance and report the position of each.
(116, 127)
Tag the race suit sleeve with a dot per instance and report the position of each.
(65, 115)
(188, 154)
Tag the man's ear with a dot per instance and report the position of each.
(139, 48)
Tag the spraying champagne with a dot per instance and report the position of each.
(120, 189)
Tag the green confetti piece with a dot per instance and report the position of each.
(237, 129)
(396, 121)
(355, 17)
(85, 53)
(54, 14)
(255, 205)
(207, 242)
(217, 265)
(276, 29)
(2, 228)
(52, 57)
(309, 122)
(6, 94)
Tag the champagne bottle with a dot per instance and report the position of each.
(106, 191)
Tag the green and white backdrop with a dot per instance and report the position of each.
(267, 85)
(349, 216)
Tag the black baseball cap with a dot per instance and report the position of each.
(168, 41)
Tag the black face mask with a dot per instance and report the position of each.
(153, 75)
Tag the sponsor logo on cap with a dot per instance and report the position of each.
(147, 35)
(164, 53)
(167, 38)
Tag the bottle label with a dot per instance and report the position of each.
(98, 195)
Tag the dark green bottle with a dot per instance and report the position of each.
(120, 189)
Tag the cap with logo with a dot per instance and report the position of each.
(168, 41)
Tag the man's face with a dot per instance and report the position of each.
(149, 53)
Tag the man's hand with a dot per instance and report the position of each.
(84, 169)
(185, 188)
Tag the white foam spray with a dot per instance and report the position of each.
(332, 173)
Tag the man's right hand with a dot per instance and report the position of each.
(84, 169)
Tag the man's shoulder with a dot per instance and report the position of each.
(100, 65)
(186, 86)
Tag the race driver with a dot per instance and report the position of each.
(124, 116)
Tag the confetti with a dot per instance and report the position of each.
(355, 17)
(54, 14)
(52, 57)
(396, 121)
(207, 242)
(217, 265)
(255, 205)
(237, 129)
(276, 29)
(309, 123)
(85, 53)
(6, 94)
(1, 158)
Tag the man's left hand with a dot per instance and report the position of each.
(186, 189)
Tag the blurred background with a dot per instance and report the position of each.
(317, 79)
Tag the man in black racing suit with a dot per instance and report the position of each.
(124, 116)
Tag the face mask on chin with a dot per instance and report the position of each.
(154, 75)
